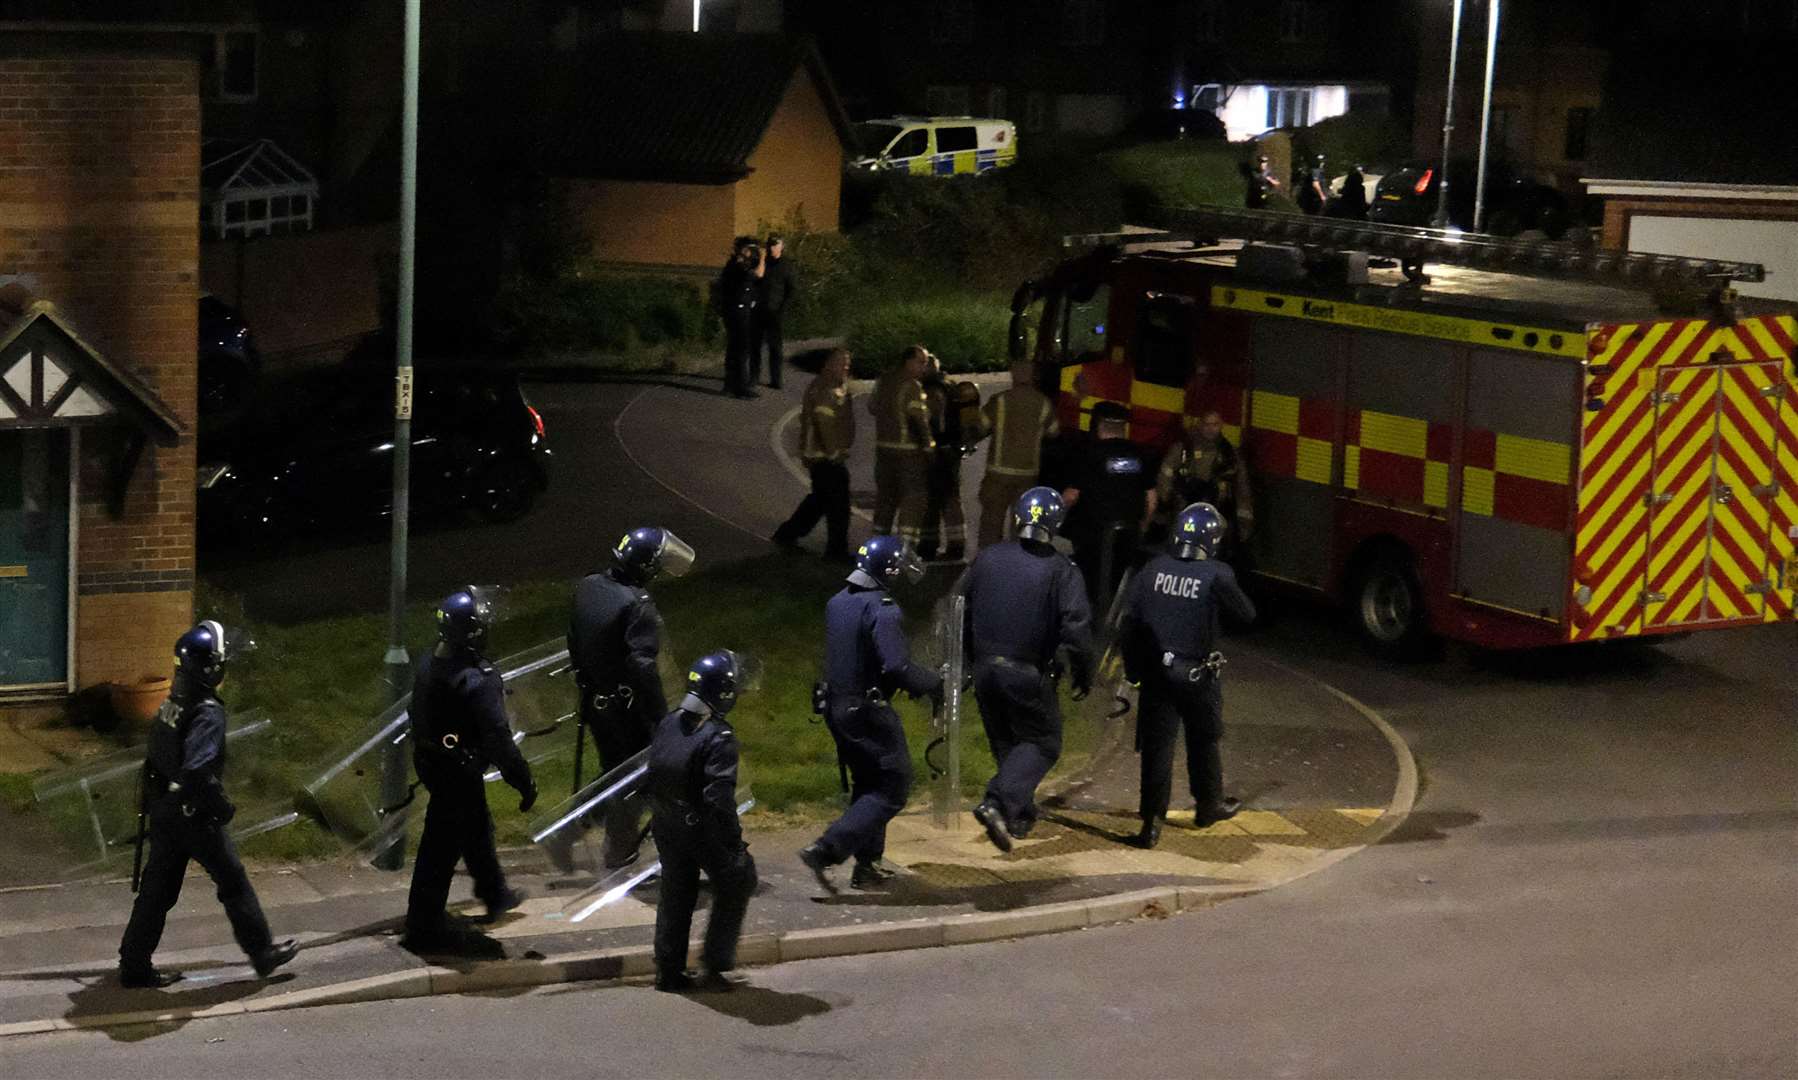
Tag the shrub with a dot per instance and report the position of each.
(968, 331)
(1375, 141)
(604, 312)
(1183, 173)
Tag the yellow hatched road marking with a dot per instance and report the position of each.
(1265, 823)
(1366, 815)
(1275, 412)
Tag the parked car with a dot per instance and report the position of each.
(1407, 196)
(315, 453)
(934, 145)
(230, 365)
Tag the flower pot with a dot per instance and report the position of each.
(137, 703)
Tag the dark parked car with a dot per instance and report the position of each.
(315, 453)
(229, 362)
(1407, 196)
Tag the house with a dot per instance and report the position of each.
(671, 144)
(99, 290)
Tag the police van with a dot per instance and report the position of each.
(935, 145)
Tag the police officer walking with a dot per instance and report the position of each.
(902, 447)
(739, 292)
(778, 286)
(459, 728)
(826, 432)
(1169, 632)
(1020, 420)
(692, 786)
(187, 811)
(866, 662)
(1110, 499)
(1025, 602)
(614, 637)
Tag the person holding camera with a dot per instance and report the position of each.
(778, 286)
(739, 293)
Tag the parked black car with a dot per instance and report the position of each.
(230, 365)
(314, 453)
(1407, 196)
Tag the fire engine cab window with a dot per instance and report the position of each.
(1083, 322)
(1164, 343)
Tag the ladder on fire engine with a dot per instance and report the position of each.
(1413, 247)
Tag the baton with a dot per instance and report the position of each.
(137, 850)
(580, 746)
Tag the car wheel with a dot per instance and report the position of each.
(1388, 608)
(502, 491)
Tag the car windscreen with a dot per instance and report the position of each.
(872, 138)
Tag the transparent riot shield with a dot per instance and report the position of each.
(615, 885)
(1113, 699)
(90, 812)
(575, 833)
(943, 754)
(541, 700)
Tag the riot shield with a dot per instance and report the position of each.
(943, 754)
(613, 886)
(1113, 698)
(573, 834)
(91, 810)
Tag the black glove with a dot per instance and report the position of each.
(1081, 689)
(527, 799)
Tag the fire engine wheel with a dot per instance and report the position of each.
(1388, 606)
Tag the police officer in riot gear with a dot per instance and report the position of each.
(459, 728)
(187, 811)
(692, 785)
(614, 637)
(1025, 602)
(1168, 635)
(1110, 499)
(866, 661)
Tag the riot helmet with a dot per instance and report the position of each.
(644, 553)
(200, 653)
(1038, 514)
(1198, 531)
(464, 617)
(717, 679)
(884, 560)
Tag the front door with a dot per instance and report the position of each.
(34, 559)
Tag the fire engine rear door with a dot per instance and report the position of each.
(1742, 504)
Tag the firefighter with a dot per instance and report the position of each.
(692, 786)
(459, 728)
(187, 811)
(903, 447)
(1110, 500)
(866, 663)
(945, 523)
(1019, 420)
(1168, 634)
(1025, 603)
(614, 638)
(1206, 467)
(826, 432)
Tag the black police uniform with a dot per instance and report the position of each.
(1024, 601)
(459, 728)
(778, 285)
(692, 786)
(1112, 477)
(738, 293)
(613, 639)
(1170, 626)
(188, 811)
(866, 662)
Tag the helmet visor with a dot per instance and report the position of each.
(676, 556)
(236, 641)
(908, 569)
(749, 669)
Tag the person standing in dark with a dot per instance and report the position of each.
(945, 522)
(867, 663)
(614, 638)
(1110, 498)
(739, 289)
(1352, 202)
(1314, 188)
(1019, 419)
(1206, 467)
(187, 811)
(692, 786)
(1025, 603)
(778, 287)
(1261, 182)
(459, 729)
(826, 432)
(1168, 634)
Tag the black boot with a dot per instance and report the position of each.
(149, 978)
(871, 875)
(994, 822)
(266, 961)
(675, 982)
(504, 902)
(1150, 834)
(716, 982)
(1225, 809)
(819, 864)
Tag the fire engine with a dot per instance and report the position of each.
(1530, 444)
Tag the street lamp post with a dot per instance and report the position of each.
(1479, 189)
(398, 663)
(1448, 121)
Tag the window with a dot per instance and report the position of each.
(1579, 121)
(1300, 20)
(1288, 108)
(951, 139)
(1207, 21)
(996, 103)
(1164, 345)
(911, 144)
(1036, 111)
(1083, 22)
(947, 100)
(1083, 315)
(952, 22)
(234, 57)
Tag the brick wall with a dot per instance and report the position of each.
(99, 204)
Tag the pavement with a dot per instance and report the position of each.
(1322, 775)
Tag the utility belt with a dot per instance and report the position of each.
(452, 749)
(1190, 670)
(1052, 669)
(605, 701)
(825, 698)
